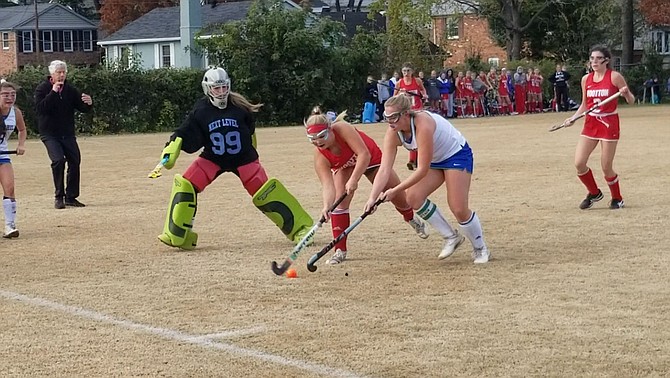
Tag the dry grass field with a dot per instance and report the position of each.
(91, 292)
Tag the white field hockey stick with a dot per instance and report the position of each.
(593, 108)
(157, 171)
(279, 270)
(312, 260)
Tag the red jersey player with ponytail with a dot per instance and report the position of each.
(343, 155)
(600, 126)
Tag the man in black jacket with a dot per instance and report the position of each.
(55, 102)
(560, 80)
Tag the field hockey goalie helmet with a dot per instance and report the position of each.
(216, 85)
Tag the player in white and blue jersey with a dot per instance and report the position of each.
(444, 157)
(12, 119)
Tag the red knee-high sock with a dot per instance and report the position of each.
(613, 183)
(339, 220)
(589, 181)
(407, 214)
(412, 156)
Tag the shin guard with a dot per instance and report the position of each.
(283, 209)
(178, 229)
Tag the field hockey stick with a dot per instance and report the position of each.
(8, 152)
(400, 90)
(157, 171)
(279, 270)
(593, 108)
(317, 256)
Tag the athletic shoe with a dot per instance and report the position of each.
(450, 245)
(74, 203)
(59, 203)
(11, 231)
(411, 165)
(419, 226)
(297, 237)
(481, 255)
(616, 204)
(591, 199)
(338, 257)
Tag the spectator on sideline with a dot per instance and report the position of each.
(433, 88)
(560, 81)
(55, 102)
(383, 93)
(520, 88)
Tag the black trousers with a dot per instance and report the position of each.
(562, 99)
(64, 150)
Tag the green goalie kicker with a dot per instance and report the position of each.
(178, 230)
(283, 210)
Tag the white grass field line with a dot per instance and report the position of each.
(204, 341)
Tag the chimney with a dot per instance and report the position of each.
(190, 16)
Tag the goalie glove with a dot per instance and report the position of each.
(171, 152)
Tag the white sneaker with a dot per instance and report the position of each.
(338, 257)
(419, 226)
(450, 245)
(11, 231)
(481, 255)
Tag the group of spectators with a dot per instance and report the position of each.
(473, 94)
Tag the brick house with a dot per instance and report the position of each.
(63, 34)
(460, 31)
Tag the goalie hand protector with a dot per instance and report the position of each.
(171, 152)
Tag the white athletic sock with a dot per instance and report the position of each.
(473, 230)
(9, 204)
(431, 214)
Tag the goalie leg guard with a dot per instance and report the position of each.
(178, 229)
(283, 209)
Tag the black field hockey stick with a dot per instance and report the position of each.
(316, 257)
(592, 109)
(400, 90)
(279, 270)
(8, 152)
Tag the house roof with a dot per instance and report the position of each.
(165, 22)
(49, 16)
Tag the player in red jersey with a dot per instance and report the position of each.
(342, 156)
(600, 126)
(409, 84)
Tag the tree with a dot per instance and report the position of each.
(292, 62)
(515, 16)
(656, 12)
(79, 7)
(627, 33)
(115, 14)
(407, 32)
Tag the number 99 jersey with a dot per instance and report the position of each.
(225, 134)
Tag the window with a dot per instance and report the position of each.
(27, 41)
(67, 41)
(494, 62)
(87, 37)
(47, 41)
(166, 55)
(451, 27)
(660, 41)
(124, 56)
(5, 40)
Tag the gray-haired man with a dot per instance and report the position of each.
(56, 101)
